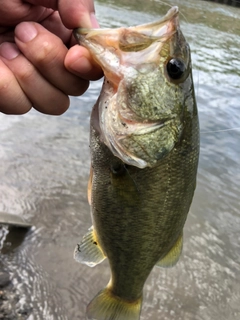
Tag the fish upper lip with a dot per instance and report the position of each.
(144, 28)
(115, 44)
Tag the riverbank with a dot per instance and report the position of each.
(234, 3)
(44, 172)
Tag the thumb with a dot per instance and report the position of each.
(78, 13)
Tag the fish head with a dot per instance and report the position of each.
(148, 79)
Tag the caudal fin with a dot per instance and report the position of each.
(106, 306)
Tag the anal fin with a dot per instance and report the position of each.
(172, 257)
(89, 251)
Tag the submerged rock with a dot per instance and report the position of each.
(4, 279)
(10, 309)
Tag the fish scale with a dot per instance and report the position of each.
(143, 164)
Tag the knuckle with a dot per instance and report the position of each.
(4, 86)
(6, 80)
(26, 74)
(48, 54)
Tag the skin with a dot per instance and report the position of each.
(37, 68)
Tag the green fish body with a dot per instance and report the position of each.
(144, 152)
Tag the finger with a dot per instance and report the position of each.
(45, 3)
(74, 13)
(47, 53)
(14, 13)
(7, 35)
(44, 96)
(53, 23)
(82, 13)
(79, 61)
(13, 99)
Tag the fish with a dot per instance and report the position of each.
(144, 145)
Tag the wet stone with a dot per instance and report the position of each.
(4, 279)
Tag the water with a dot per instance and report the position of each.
(44, 172)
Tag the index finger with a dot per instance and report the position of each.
(74, 13)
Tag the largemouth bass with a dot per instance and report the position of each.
(144, 145)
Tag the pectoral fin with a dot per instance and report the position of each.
(89, 251)
(172, 256)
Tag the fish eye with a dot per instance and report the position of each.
(175, 68)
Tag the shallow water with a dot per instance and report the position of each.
(44, 172)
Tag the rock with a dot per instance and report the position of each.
(4, 279)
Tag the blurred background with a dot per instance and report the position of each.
(44, 171)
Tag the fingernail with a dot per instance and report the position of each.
(25, 31)
(88, 21)
(9, 50)
(85, 21)
(94, 21)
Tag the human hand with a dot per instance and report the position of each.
(35, 66)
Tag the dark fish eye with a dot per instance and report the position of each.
(175, 68)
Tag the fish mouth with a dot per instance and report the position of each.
(110, 47)
(152, 30)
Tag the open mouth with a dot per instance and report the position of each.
(155, 29)
(109, 45)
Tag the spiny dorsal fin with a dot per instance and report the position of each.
(89, 251)
(173, 255)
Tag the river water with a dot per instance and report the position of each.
(44, 171)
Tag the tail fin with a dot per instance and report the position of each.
(106, 306)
